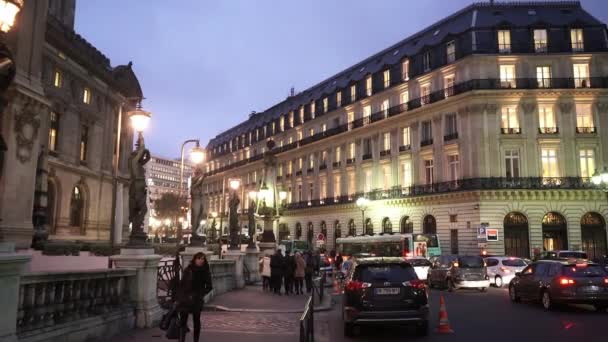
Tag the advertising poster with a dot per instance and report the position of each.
(420, 248)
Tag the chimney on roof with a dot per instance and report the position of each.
(292, 91)
(253, 112)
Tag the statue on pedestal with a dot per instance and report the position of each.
(197, 205)
(233, 222)
(138, 192)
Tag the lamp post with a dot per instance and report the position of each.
(8, 12)
(233, 221)
(197, 155)
(138, 187)
(362, 203)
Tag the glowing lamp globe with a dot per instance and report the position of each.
(8, 12)
(234, 184)
(139, 119)
(197, 155)
(283, 195)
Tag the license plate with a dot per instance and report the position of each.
(589, 289)
(387, 291)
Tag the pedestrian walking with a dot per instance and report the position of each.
(290, 268)
(308, 271)
(266, 273)
(192, 289)
(276, 271)
(299, 273)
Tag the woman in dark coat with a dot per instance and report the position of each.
(194, 286)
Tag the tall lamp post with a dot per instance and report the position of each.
(362, 203)
(197, 155)
(233, 221)
(138, 187)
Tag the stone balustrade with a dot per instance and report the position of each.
(223, 274)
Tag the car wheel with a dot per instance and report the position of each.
(422, 329)
(348, 329)
(513, 294)
(450, 284)
(547, 301)
(600, 308)
(498, 281)
(482, 289)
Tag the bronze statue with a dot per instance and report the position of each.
(39, 216)
(234, 221)
(137, 192)
(197, 204)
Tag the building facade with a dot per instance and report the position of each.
(164, 176)
(493, 115)
(67, 109)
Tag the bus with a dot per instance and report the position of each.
(293, 246)
(404, 245)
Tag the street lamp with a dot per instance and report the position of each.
(362, 203)
(197, 156)
(601, 179)
(8, 12)
(233, 221)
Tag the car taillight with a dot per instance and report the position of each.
(566, 281)
(505, 270)
(354, 285)
(416, 283)
(606, 281)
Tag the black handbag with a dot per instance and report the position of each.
(166, 319)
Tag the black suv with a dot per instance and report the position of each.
(554, 282)
(384, 291)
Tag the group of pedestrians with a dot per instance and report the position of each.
(291, 272)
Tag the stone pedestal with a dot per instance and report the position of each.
(239, 258)
(267, 248)
(252, 260)
(189, 252)
(12, 266)
(143, 289)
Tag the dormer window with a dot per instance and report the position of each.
(58, 79)
(451, 51)
(301, 114)
(540, 40)
(368, 85)
(353, 93)
(86, 95)
(504, 41)
(387, 78)
(576, 38)
(339, 99)
(313, 109)
(325, 105)
(426, 61)
(405, 69)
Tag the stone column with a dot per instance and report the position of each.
(239, 258)
(12, 266)
(143, 289)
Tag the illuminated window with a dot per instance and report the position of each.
(351, 151)
(337, 156)
(323, 189)
(339, 99)
(368, 181)
(368, 85)
(384, 106)
(311, 132)
(386, 141)
(549, 162)
(367, 111)
(453, 166)
(387, 177)
(58, 79)
(353, 93)
(86, 95)
(313, 109)
(587, 161)
(576, 39)
(53, 132)
(428, 171)
(352, 188)
(291, 120)
(282, 123)
(311, 161)
(406, 173)
(448, 82)
(546, 119)
(507, 76)
(504, 41)
(425, 92)
(451, 51)
(404, 97)
(581, 75)
(325, 105)
(301, 114)
(337, 186)
(405, 70)
(584, 119)
(405, 136)
(323, 128)
(540, 40)
(543, 76)
(84, 140)
(299, 135)
(387, 78)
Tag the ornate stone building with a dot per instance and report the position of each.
(493, 115)
(66, 102)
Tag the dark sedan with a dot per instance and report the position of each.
(555, 282)
(384, 291)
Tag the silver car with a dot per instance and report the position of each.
(421, 266)
(501, 270)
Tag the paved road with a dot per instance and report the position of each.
(487, 316)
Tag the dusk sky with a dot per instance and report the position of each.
(204, 65)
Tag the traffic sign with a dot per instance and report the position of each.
(492, 234)
(320, 237)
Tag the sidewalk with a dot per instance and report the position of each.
(248, 314)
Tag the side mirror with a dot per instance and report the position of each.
(518, 274)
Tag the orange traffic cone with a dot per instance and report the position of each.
(444, 324)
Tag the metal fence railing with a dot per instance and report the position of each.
(307, 331)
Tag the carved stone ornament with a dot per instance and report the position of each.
(528, 107)
(565, 107)
(602, 107)
(26, 128)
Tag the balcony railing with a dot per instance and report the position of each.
(298, 173)
(385, 153)
(350, 161)
(548, 130)
(366, 156)
(586, 130)
(470, 85)
(404, 148)
(322, 166)
(310, 170)
(279, 178)
(510, 130)
(578, 46)
(288, 175)
(471, 184)
(336, 164)
(450, 136)
(426, 142)
(540, 47)
(504, 48)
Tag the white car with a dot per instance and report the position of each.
(421, 266)
(501, 270)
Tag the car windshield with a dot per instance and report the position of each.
(419, 262)
(584, 271)
(470, 262)
(578, 255)
(393, 273)
(514, 262)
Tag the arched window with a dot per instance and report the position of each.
(77, 208)
(593, 232)
(429, 225)
(406, 226)
(352, 229)
(337, 230)
(298, 230)
(516, 235)
(283, 232)
(555, 232)
(387, 226)
(369, 227)
(324, 229)
(309, 234)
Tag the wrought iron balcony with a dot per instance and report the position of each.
(450, 136)
(310, 170)
(298, 173)
(323, 166)
(385, 153)
(510, 130)
(336, 164)
(586, 130)
(350, 161)
(366, 156)
(426, 142)
(548, 130)
(404, 148)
